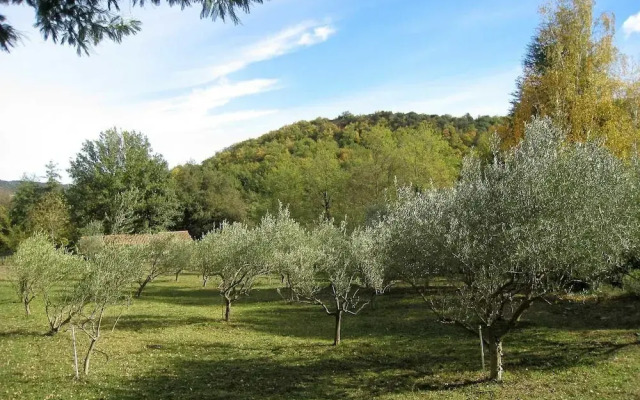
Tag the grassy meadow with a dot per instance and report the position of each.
(172, 344)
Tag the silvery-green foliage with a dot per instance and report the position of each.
(532, 223)
(180, 255)
(111, 275)
(367, 252)
(236, 255)
(413, 235)
(337, 265)
(107, 282)
(348, 263)
(32, 265)
(61, 299)
(335, 269)
(89, 246)
(293, 253)
(162, 254)
(42, 269)
(541, 216)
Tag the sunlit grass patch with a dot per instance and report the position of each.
(172, 344)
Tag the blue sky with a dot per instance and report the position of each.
(195, 86)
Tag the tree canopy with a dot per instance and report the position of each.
(541, 217)
(572, 73)
(85, 23)
(119, 180)
(340, 167)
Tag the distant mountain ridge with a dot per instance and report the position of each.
(11, 186)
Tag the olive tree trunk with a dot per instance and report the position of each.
(142, 286)
(27, 308)
(227, 309)
(495, 350)
(56, 323)
(87, 358)
(338, 316)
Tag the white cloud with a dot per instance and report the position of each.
(45, 117)
(199, 101)
(183, 127)
(631, 25)
(286, 41)
(319, 34)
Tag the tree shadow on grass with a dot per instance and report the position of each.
(394, 315)
(358, 369)
(620, 312)
(546, 354)
(16, 333)
(351, 372)
(411, 324)
(194, 296)
(440, 386)
(189, 296)
(143, 322)
(396, 347)
(264, 378)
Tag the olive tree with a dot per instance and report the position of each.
(181, 253)
(236, 255)
(62, 301)
(538, 219)
(89, 246)
(31, 267)
(413, 236)
(41, 269)
(334, 269)
(163, 254)
(288, 242)
(107, 282)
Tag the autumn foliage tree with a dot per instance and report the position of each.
(570, 75)
(51, 215)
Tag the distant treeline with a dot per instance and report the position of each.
(341, 167)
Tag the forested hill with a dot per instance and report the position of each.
(341, 167)
(10, 186)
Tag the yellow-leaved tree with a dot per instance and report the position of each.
(572, 74)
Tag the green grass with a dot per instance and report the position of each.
(172, 344)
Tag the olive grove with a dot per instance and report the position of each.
(543, 218)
